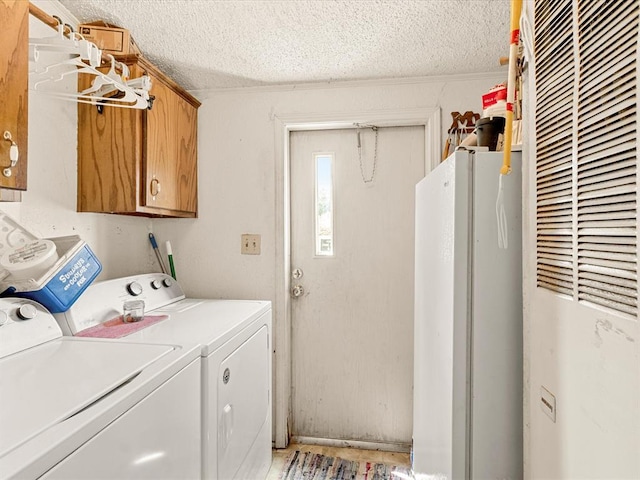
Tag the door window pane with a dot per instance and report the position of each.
(324, 204)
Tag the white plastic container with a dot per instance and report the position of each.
(30, 260)
(53, 272)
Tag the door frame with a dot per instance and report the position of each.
(429, 118)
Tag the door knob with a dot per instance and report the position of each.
(297, 291)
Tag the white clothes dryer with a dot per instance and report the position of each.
(90, 408)
(236, 356)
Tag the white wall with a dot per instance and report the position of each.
(238, 184)
(587, 357)
(48, 208)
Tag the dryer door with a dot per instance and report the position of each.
(243, 402)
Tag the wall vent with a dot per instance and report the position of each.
(586, 128)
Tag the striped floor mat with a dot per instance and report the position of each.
(313, 466)
(380, 471)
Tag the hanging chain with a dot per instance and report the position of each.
(375, 157)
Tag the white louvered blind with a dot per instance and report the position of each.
(587, 235)
(607, 157)
(555, 73)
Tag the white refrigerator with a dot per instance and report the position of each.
(468, 322)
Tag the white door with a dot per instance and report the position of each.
(352, 242)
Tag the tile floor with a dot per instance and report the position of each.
(353, 454)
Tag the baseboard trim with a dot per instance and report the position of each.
(330, 442)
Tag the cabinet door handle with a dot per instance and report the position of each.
(14, 154)
(154, 187)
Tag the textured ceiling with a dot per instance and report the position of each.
(240, 43)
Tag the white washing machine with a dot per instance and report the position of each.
(235, 336)
(93, 409)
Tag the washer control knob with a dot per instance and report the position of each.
(134, 288)
(167, 282)
(4, 318)
(27, 311)
(156, 284)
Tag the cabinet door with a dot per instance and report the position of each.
(161, 150)
(14, 71)
(187, 141)
(109, 156)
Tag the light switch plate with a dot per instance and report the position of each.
(548, 403)
(250, 244)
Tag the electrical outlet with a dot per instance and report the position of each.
(250, 244)
(548, 403)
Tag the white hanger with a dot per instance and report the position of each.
(57, 71)
(133, 93)
(140, 86)
(58, 42)
(59, 39)
(132, 98)
(85, 51)
(73, 47)
(82, 56)
(110, 78)
(89, 51)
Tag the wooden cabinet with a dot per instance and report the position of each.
(14, 84)
(140, 162)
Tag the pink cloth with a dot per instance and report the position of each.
(116, 328)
